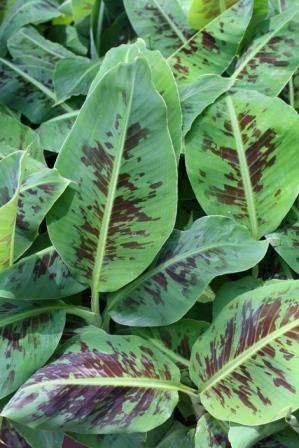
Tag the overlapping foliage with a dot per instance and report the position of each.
(149, 223)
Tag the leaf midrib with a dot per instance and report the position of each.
(264, 42)
(247, 354)
(104, 230)
(245, 173)
(170, 22)
(40, 45)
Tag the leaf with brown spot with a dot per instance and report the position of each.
(211, 433)
(29, 334)
(204, 11)
(211, 50)
(237, 154)
(100, 384)
(246, 365)
(271, 59)
(108, 228)
(213, 246)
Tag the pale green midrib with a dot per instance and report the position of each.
(77, 82)
(104, 230)
(40, 45)
(142, 383)
(170, 353)
(31, 313)
(170, 22)
(246, 180)
(52, 182)
(247, 354)
(268, 37)
(62, 117)
(165, 265)
(222, 6)
(11, 18)
(47, 92)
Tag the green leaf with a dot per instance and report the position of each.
(230, 290)
(81, 9)
(190, 259)
(28, 94)
(237, 154)
(162, 23)
(40, 276)
(112, 227)
(111, 440)
(19, 436)
(16, 136)
(246, 364)
(211, 433)
(28, 337)
(284, 439)
(180, 437)
(285, 241)
(198, 95)
(24, 12)
(203, 11)
(53, 132)
(74, 76)
(103, 384)
(212, 49)
(272, 58)
(162, 77)
(248, 436)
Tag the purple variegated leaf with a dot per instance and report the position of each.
(40, 276)
(211, 433)
(212, 49)
(213, 246)
(108, 228)
(100, 384)
(10, 438)
(29, 334)
(246, 365)
(237, 154)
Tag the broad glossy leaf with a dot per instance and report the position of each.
(246, 365)
(112, 228)
(40, 276)
(39, 190)
(23, 12)
(74, 76)
(211, 433)
(16, 136)
(237, 154)
(162, 77)
(18, 436)
(285, 241)
(230, 290)
(248, 436)
(162, 23)
(199, 94)
(189, 260)
(28, 337)
(203, 11)
(53, 132)
(103, 384)
(28, 94)
(270, 61)
(212, 49)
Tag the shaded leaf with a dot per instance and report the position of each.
(74, 76)
(23, 12)
(272, 58)
(203, 11)
(112, 228)
(40, 276)
(28, 337)
(198, 95)
(284, 439)
(16, 136)
(285, 241)
(249, 436)
(162, 23)
(111, 440)
(246, 365)
(212, 49)
(237, 154)
(211, 433)
(190, 259)
(103, 384)
(53, 132)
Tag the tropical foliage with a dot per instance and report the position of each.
(149, 223)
